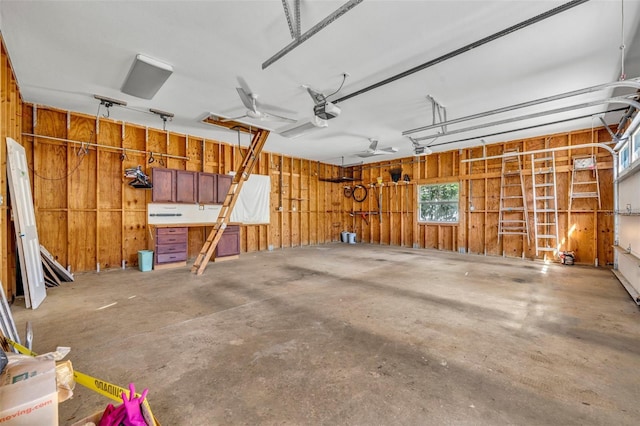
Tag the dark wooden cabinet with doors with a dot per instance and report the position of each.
(184, 186)
(229, 244)
(207, 188)
(164, 189)
(223, 185)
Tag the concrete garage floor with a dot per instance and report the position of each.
(354, 334)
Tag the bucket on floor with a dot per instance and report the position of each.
(352, 237)
(344, 237)
(145, 260)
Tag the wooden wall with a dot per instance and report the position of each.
(10, 126)
(89, 217)
(586, 229)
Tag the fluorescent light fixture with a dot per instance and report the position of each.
(301, 128)
(146, 76)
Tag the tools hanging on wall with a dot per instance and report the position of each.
(379, 186)
(357, 192)
(140, 179)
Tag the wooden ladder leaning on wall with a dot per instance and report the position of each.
(242, 174)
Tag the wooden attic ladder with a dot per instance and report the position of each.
(514, 215)
(545, 202)
(242, 174)
(584, 179)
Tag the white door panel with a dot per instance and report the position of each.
(25, 223)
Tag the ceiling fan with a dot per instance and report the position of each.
(373, 150)
(255, 109)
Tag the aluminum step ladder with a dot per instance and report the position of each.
(242, 174)
(584, 179)
(514, 215)
(545, 202)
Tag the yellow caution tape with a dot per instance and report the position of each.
(23, 350)
(107, 389)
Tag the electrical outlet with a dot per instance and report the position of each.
(201, 206)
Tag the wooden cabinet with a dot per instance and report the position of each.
(223, 185)
(183, 186)
(229, 244)
(170, 245)
(164, 189)
(207, 188)
(186, 187)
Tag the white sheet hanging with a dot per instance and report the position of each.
(253, 203)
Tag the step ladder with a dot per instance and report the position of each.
(242, 174)
(545, 202)
(584, 179)
(514, 215)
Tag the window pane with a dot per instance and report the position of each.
(438, 203)
(624, 157)
(636, 146)
(442, 212)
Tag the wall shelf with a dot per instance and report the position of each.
(625, 252)
(627, 213)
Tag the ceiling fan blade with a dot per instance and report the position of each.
(366, 154)
(390, 149)
(275, 108)
(373, 145)
(271, 116)
(247, 99)
(225, 120)
(243, 83)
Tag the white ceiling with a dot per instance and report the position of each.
(64, 52)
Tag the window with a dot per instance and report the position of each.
(438, 203)
(636, 146)
(624, 156)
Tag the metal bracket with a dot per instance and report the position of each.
(301, 38)
(437, 108)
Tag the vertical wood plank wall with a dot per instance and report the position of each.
(586, 229)
(10, 126)
(90, 218)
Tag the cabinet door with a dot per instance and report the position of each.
(207, 189)
(163, 187)
(229, 244)
(223, 185)
(186, 186)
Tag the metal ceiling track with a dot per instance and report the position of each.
(294, 28)
(535, 126)
(521, 25)
(631, 83)
(617, 100)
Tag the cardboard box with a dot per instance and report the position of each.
(93, 419)
(28, 392)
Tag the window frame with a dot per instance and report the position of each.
(624, 157)
(455, 202)
(635, 146)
